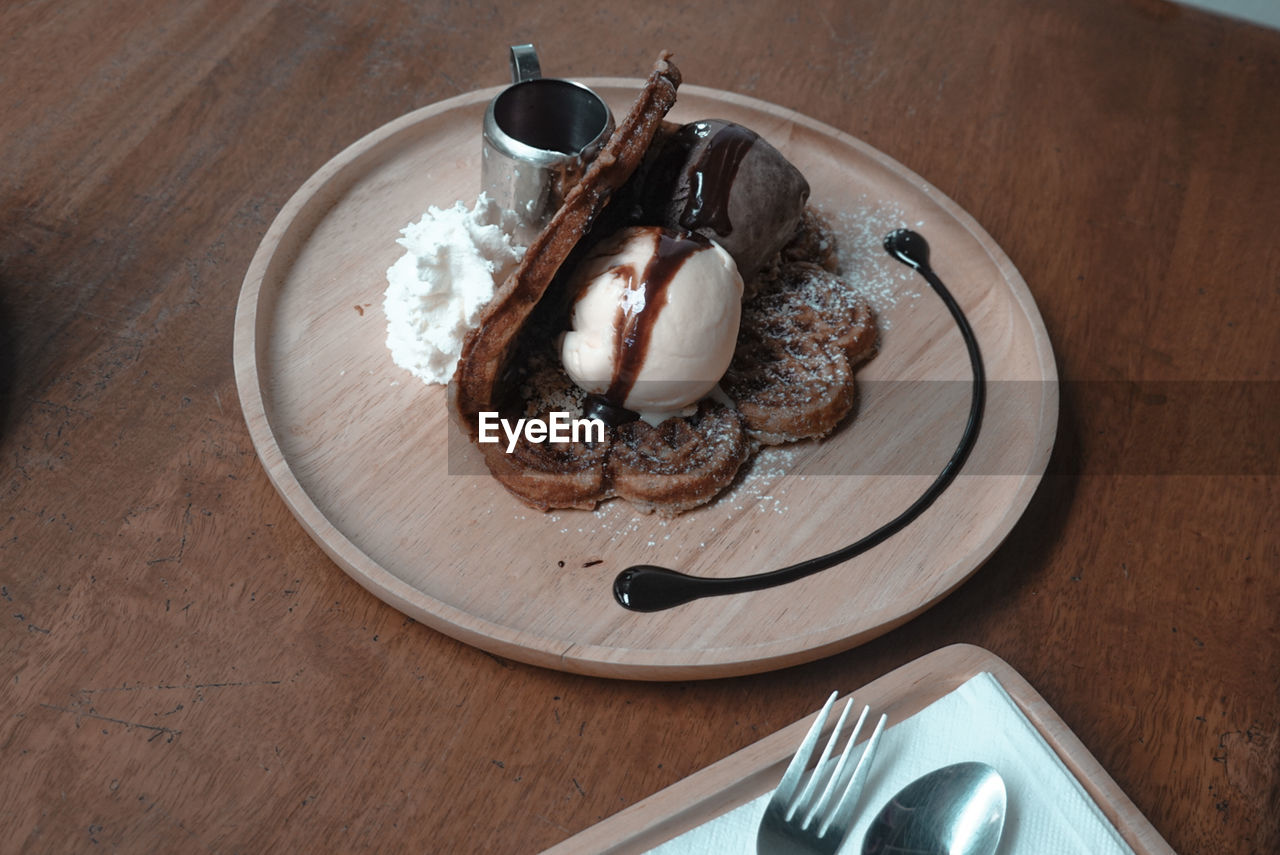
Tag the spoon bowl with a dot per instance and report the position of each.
(955, 810)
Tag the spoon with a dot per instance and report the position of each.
(649, 588)
(955, 810)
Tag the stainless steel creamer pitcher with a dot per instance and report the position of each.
(539, 135)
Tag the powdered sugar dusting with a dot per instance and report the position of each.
(760, 483)
(862, 259)
(764, 483)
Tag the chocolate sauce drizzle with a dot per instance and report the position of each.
(647, 588)
(634, 328)
(598, 407)
(707, 205)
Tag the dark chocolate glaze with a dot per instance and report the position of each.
(726, 182)
(598, 407)
(635, 328)
(648, 588)
(711, 177)
(695, 168)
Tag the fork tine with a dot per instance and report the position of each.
(838, 775)
(824, 823)
(843, 811)
(820, 768)
(791, 778)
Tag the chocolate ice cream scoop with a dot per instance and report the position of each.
(729, 184)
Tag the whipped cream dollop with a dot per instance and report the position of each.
(454, 259)
(654, 322)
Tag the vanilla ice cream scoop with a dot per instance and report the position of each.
(654, 322)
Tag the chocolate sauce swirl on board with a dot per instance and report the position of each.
(648, 588)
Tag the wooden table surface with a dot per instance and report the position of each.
(184, 670)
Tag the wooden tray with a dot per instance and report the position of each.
(756, 769)
(367, 460)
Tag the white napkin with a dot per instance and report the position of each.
(1049, 811)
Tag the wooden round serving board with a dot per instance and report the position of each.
(367, 459)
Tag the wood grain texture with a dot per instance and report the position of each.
(373, 467)
(185, 670)
(756, 769)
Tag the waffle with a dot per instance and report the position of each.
(801, 337)
(803, 332)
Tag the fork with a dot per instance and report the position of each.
(817, 820)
